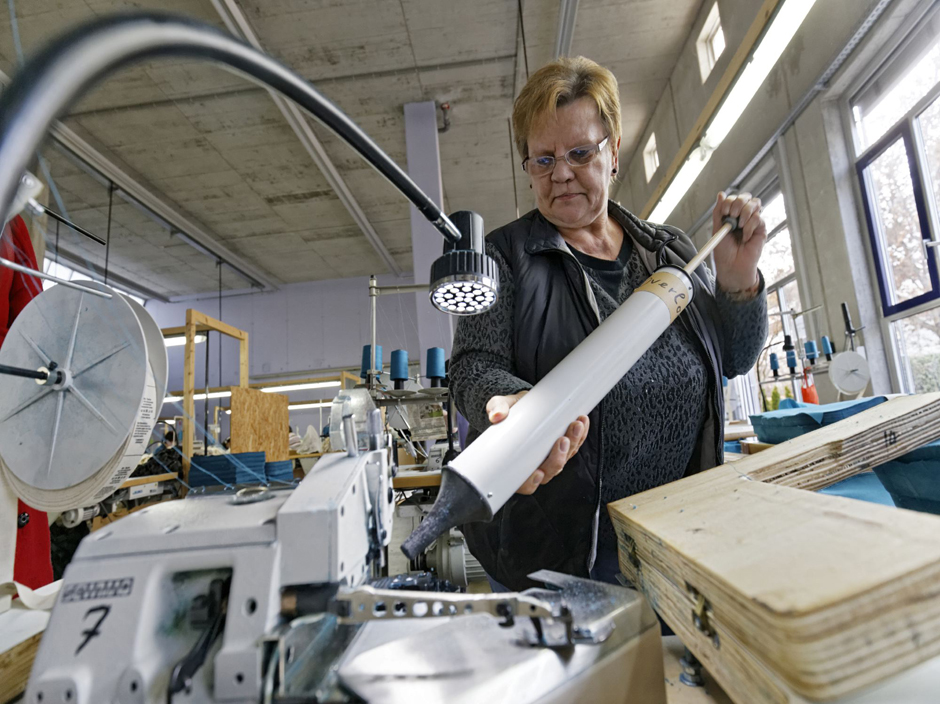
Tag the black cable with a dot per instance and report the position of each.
(71, 225)
(107, 245)
(205, 403)
(512, 165)
(57, 244)
(219, 264)
(525, 51)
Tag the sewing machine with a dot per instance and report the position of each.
(265, 595)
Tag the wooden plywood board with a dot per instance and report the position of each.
(15, 666)
(260, 423)
(852, 446)
(822, 594)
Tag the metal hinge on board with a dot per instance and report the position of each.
(628, 547)
(702, 615)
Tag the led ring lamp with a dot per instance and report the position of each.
(43, 90)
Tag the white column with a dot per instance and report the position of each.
(435, 329)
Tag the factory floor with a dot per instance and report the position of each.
(678, 693)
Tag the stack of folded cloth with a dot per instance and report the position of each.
(235, 468)
(914, 479)
(282, 471)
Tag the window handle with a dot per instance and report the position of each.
(928, 245)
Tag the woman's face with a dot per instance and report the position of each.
(572, 197)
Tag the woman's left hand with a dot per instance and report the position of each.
(737, 255)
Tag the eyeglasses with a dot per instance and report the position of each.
(579, 156)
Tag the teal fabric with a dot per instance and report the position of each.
(787, 403)
(914, 479)
(786, 424)
(864, 487)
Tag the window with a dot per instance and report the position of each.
(784, 307)
(711, 42)
(63, 272)
(896, 124)
(754, 392)
(651, 157)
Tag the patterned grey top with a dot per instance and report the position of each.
(652, 418)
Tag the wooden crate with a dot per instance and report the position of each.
(788, 595)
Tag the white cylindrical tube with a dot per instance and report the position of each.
(507, 453)
(493, 467)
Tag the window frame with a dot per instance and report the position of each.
(905, 131)
(651, 157)
(704, 44)
(888, 53)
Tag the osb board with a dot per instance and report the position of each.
(260, 422)
(829, 594)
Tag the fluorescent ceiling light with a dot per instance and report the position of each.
(170, 422)
(180, 340)
(778, 35)
(300, 387)
(198, 397)
(680, 184)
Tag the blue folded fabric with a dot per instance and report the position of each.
(864, 487)
(236, 468)
(281, 471)
(786, 403)
(786, 424)
(914, 479)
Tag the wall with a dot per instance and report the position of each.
(294, 331)
(812, 155)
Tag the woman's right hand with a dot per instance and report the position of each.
(566, 447)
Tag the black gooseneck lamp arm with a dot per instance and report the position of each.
(72, 64)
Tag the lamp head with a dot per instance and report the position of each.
(465, 280)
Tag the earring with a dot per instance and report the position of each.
(614, 171)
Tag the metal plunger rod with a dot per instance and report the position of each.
(42, 275)
(729, 224)
(19, 371)
(373, 293)
(40, 209)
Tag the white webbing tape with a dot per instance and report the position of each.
(41, 599)
(8, 517)
(106, 480)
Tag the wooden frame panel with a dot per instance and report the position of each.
(200, 322)
(792, 594)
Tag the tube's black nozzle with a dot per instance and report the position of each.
(459, 502)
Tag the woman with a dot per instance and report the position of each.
(564, 268)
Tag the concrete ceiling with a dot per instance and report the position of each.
(220, 150)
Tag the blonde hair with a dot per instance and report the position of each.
(561, 82)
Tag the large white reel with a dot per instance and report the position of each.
(71, 444)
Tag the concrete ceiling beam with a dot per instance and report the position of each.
(567, 17)
(136, 191)
(231, 13)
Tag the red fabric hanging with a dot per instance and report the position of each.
(33, 564)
